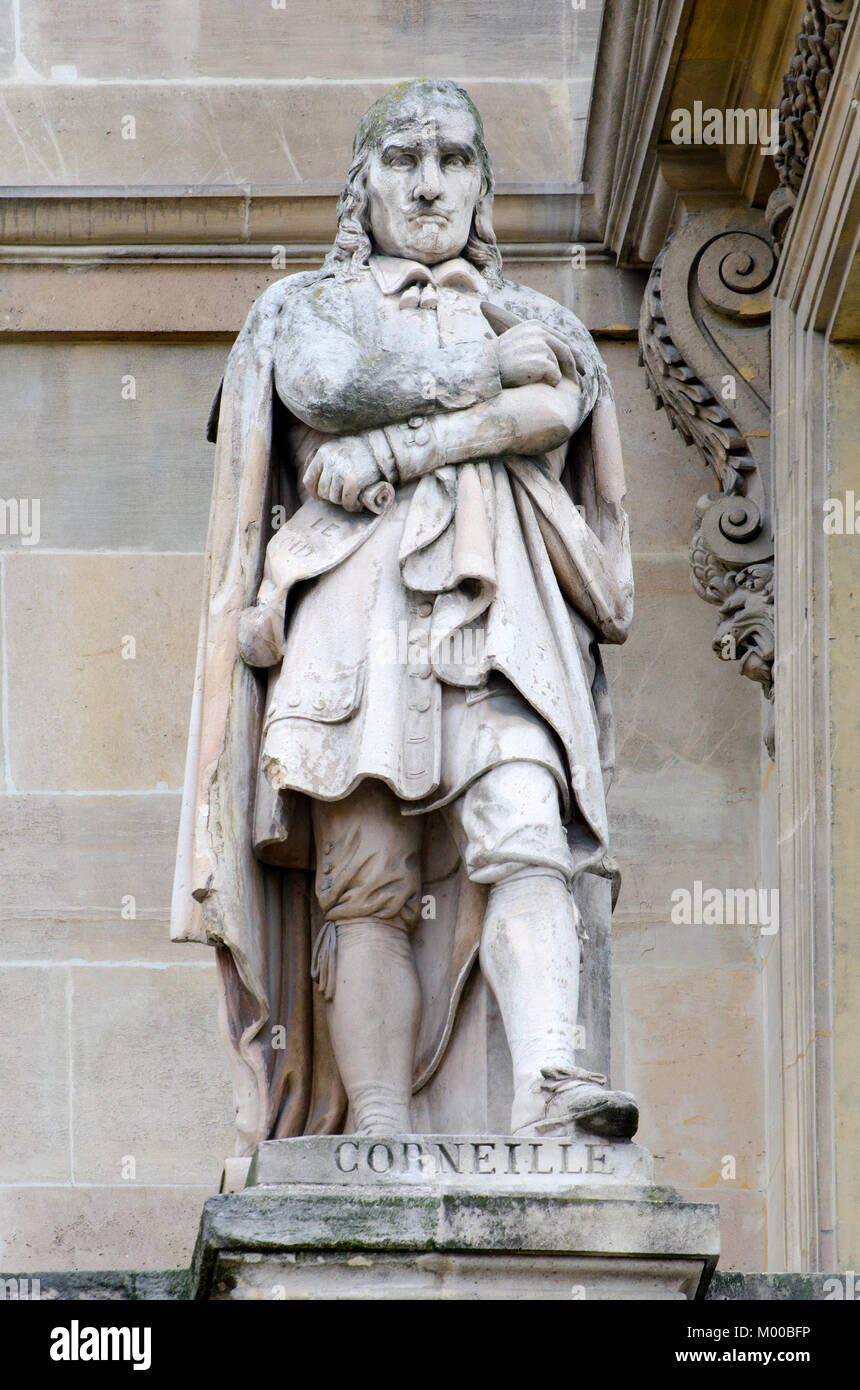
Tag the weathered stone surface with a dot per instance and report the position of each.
(698, 809)
(282, 40)
(432, 1276)
(209, 296)
(108, 1285)
(134, 1285)
(744, 1217)
(844, 633)
(236, 133)
(318, 1242)
(780, 1288)
(144, 487)
(687, 1031)
(7, 38)
(678, 779)
(606, 299)
(664, 480)
(133, 1028)
(124, 726)
(720, 718)
(479, 1046)
(88, 878)
(85, 1228)
(34, 1076)
(643, 807)
(684, 1032)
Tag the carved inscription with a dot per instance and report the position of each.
(496, 1158)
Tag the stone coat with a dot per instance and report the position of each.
(455, 581)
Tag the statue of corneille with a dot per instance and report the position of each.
(417, 543)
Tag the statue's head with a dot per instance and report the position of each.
(421, 183)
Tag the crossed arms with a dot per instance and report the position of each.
(536, 405)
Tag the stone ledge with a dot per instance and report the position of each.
(778, 1288)
(56, 294)
(173, 1284)
(313, 1241)
(224, 220)
(117, 1285)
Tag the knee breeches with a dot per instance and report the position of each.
(506, 823)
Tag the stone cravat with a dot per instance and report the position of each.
(418, 285)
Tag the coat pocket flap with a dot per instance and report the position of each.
(328, 700)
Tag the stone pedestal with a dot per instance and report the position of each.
(460, 1217)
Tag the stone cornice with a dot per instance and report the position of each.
(640, 47)
(185, 262)
(111, 224)
(663, 56)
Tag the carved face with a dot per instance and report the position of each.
(423, 183)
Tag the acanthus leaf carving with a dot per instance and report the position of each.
(705, 323)
(805, 88)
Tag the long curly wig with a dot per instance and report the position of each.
(394, 109)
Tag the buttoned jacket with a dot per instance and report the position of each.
(475, 568)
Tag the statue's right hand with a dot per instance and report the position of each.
(260, 637)
(527, 356)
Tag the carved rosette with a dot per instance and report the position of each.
(704, 342)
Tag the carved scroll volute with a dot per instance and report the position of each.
(704, 340)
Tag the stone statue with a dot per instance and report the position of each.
(400, 725)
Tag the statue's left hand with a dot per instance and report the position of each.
(340, 470)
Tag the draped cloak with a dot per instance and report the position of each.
(258, 909)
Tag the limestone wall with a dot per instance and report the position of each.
(269, 91)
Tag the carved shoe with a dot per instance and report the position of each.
(577, 1097)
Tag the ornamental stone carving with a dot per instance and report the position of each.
(704, 340)
(805, 88)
